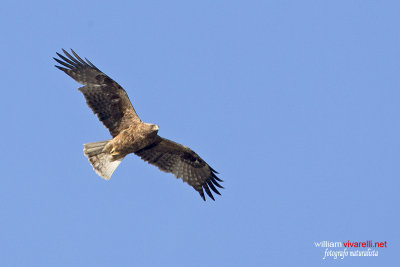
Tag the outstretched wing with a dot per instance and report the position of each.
(105, 97)
(184, 163)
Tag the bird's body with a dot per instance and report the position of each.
(111, 104)
(132, 139)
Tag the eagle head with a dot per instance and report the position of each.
(150, 128)
(154, 127)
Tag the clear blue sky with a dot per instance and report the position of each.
(295, 103)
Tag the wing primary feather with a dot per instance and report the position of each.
(213, 170)
(66, 59)
(208, 191)
(76, 55)
(216, 178)
(64, 63)
(210, 184)
(202, 195)
(61, 68)
(216, 183)
(91, 64)
(72, 58)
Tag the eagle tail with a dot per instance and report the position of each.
(102, 162)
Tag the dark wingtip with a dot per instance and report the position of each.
(205, 186)
(75, 60)
(78, 57)
(60, 68)
(202, 195)
(64, 63)
(215, 177)
(210, 184)
(216, 183)
(91, 64)
(214, 171)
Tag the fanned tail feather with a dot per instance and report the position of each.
(102, 162)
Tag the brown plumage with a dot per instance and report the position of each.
(111, 104)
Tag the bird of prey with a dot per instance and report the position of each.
(109, 101)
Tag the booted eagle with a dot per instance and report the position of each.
(111, 104)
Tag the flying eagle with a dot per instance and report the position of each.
(109, 101)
